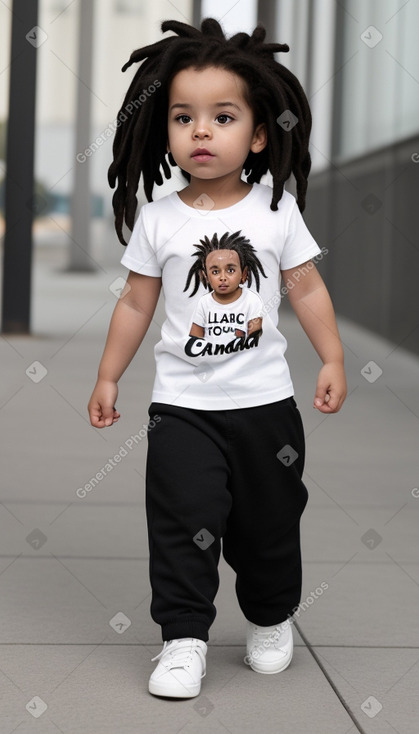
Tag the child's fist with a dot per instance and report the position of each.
(101, 407)
(331, 388)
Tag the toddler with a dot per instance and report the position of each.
(225, 460)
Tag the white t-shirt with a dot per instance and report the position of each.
(250, 370)
(223, 322)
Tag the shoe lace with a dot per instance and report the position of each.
(179, 654)
(272, 639)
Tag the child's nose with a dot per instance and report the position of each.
(201, 131)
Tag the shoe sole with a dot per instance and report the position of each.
(271, 672)
(184, 692)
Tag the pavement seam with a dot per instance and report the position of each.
(329, 680)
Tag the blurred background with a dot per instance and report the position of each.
(359, 65)
(73, 537)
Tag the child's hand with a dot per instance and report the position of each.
(331, 388)
(102, 411)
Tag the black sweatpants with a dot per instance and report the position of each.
(232, 476)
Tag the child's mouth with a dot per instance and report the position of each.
(201, 155)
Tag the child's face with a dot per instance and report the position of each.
(208, 111)
(223, 271)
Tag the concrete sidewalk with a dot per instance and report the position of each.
(76, 633)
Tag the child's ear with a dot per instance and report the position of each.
(244, 275)
(260, 138)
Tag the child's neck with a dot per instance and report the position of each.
(227, 298)
(217, 193)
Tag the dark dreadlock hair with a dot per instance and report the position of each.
(235, 242)
(271, 89)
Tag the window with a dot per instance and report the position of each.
(129, 7)
(380, 83)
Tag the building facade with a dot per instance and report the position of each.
(359, 64)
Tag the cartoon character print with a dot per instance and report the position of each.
(228, 318)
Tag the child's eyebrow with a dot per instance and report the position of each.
(227, 104)
(229, 265)
(185, 106)
(181, 106)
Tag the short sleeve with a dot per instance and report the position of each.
(139, 255)
(300, 245)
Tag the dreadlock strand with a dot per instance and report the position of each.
(241, 40)
(181, 29)
(272, 48)
(211, 27)
(259, 34)
(146, 52)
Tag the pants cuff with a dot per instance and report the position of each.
(186, 627)
(268, 618)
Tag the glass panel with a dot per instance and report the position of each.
(380, 78)
(407, 112)
(132, 7)
(321, 82)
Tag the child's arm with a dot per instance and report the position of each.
(254, 325)
(197, 330)
(129, 323)
(311, 302)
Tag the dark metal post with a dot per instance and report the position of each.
(196, 13)
(20, 204)
(267, 10)
(337, 81)
(79, 258)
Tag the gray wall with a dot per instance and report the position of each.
(366, 212)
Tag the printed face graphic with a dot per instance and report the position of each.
(210, 125)
(224, 273)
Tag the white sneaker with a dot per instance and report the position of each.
(181, 667)
(269, 649)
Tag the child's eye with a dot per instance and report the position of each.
(183, 119)
(223, 119)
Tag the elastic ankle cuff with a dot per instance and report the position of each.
(186, 627)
